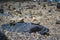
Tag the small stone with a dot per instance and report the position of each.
(57, 22)
(12, 22)
(39, 3)
(1, 11)
(21, 21)
(44, 5)
(50, 10)
(14, 8)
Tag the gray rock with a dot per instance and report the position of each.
(25, 27)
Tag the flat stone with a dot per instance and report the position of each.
(25, 27)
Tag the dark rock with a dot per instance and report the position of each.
(19, 12)
(3, 36)
(12, 22)
(35, 29)
(44, 31)
(39, 3)
(9, 6)
(26, 27)
(50, 10)
(1, 11)
(58, 5)
(33, 5)
(44, 5)
(2, 6)
(14, 8)
(57, 22)
(6, 4)
(41, 29)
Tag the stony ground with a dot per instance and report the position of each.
(46, 16)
